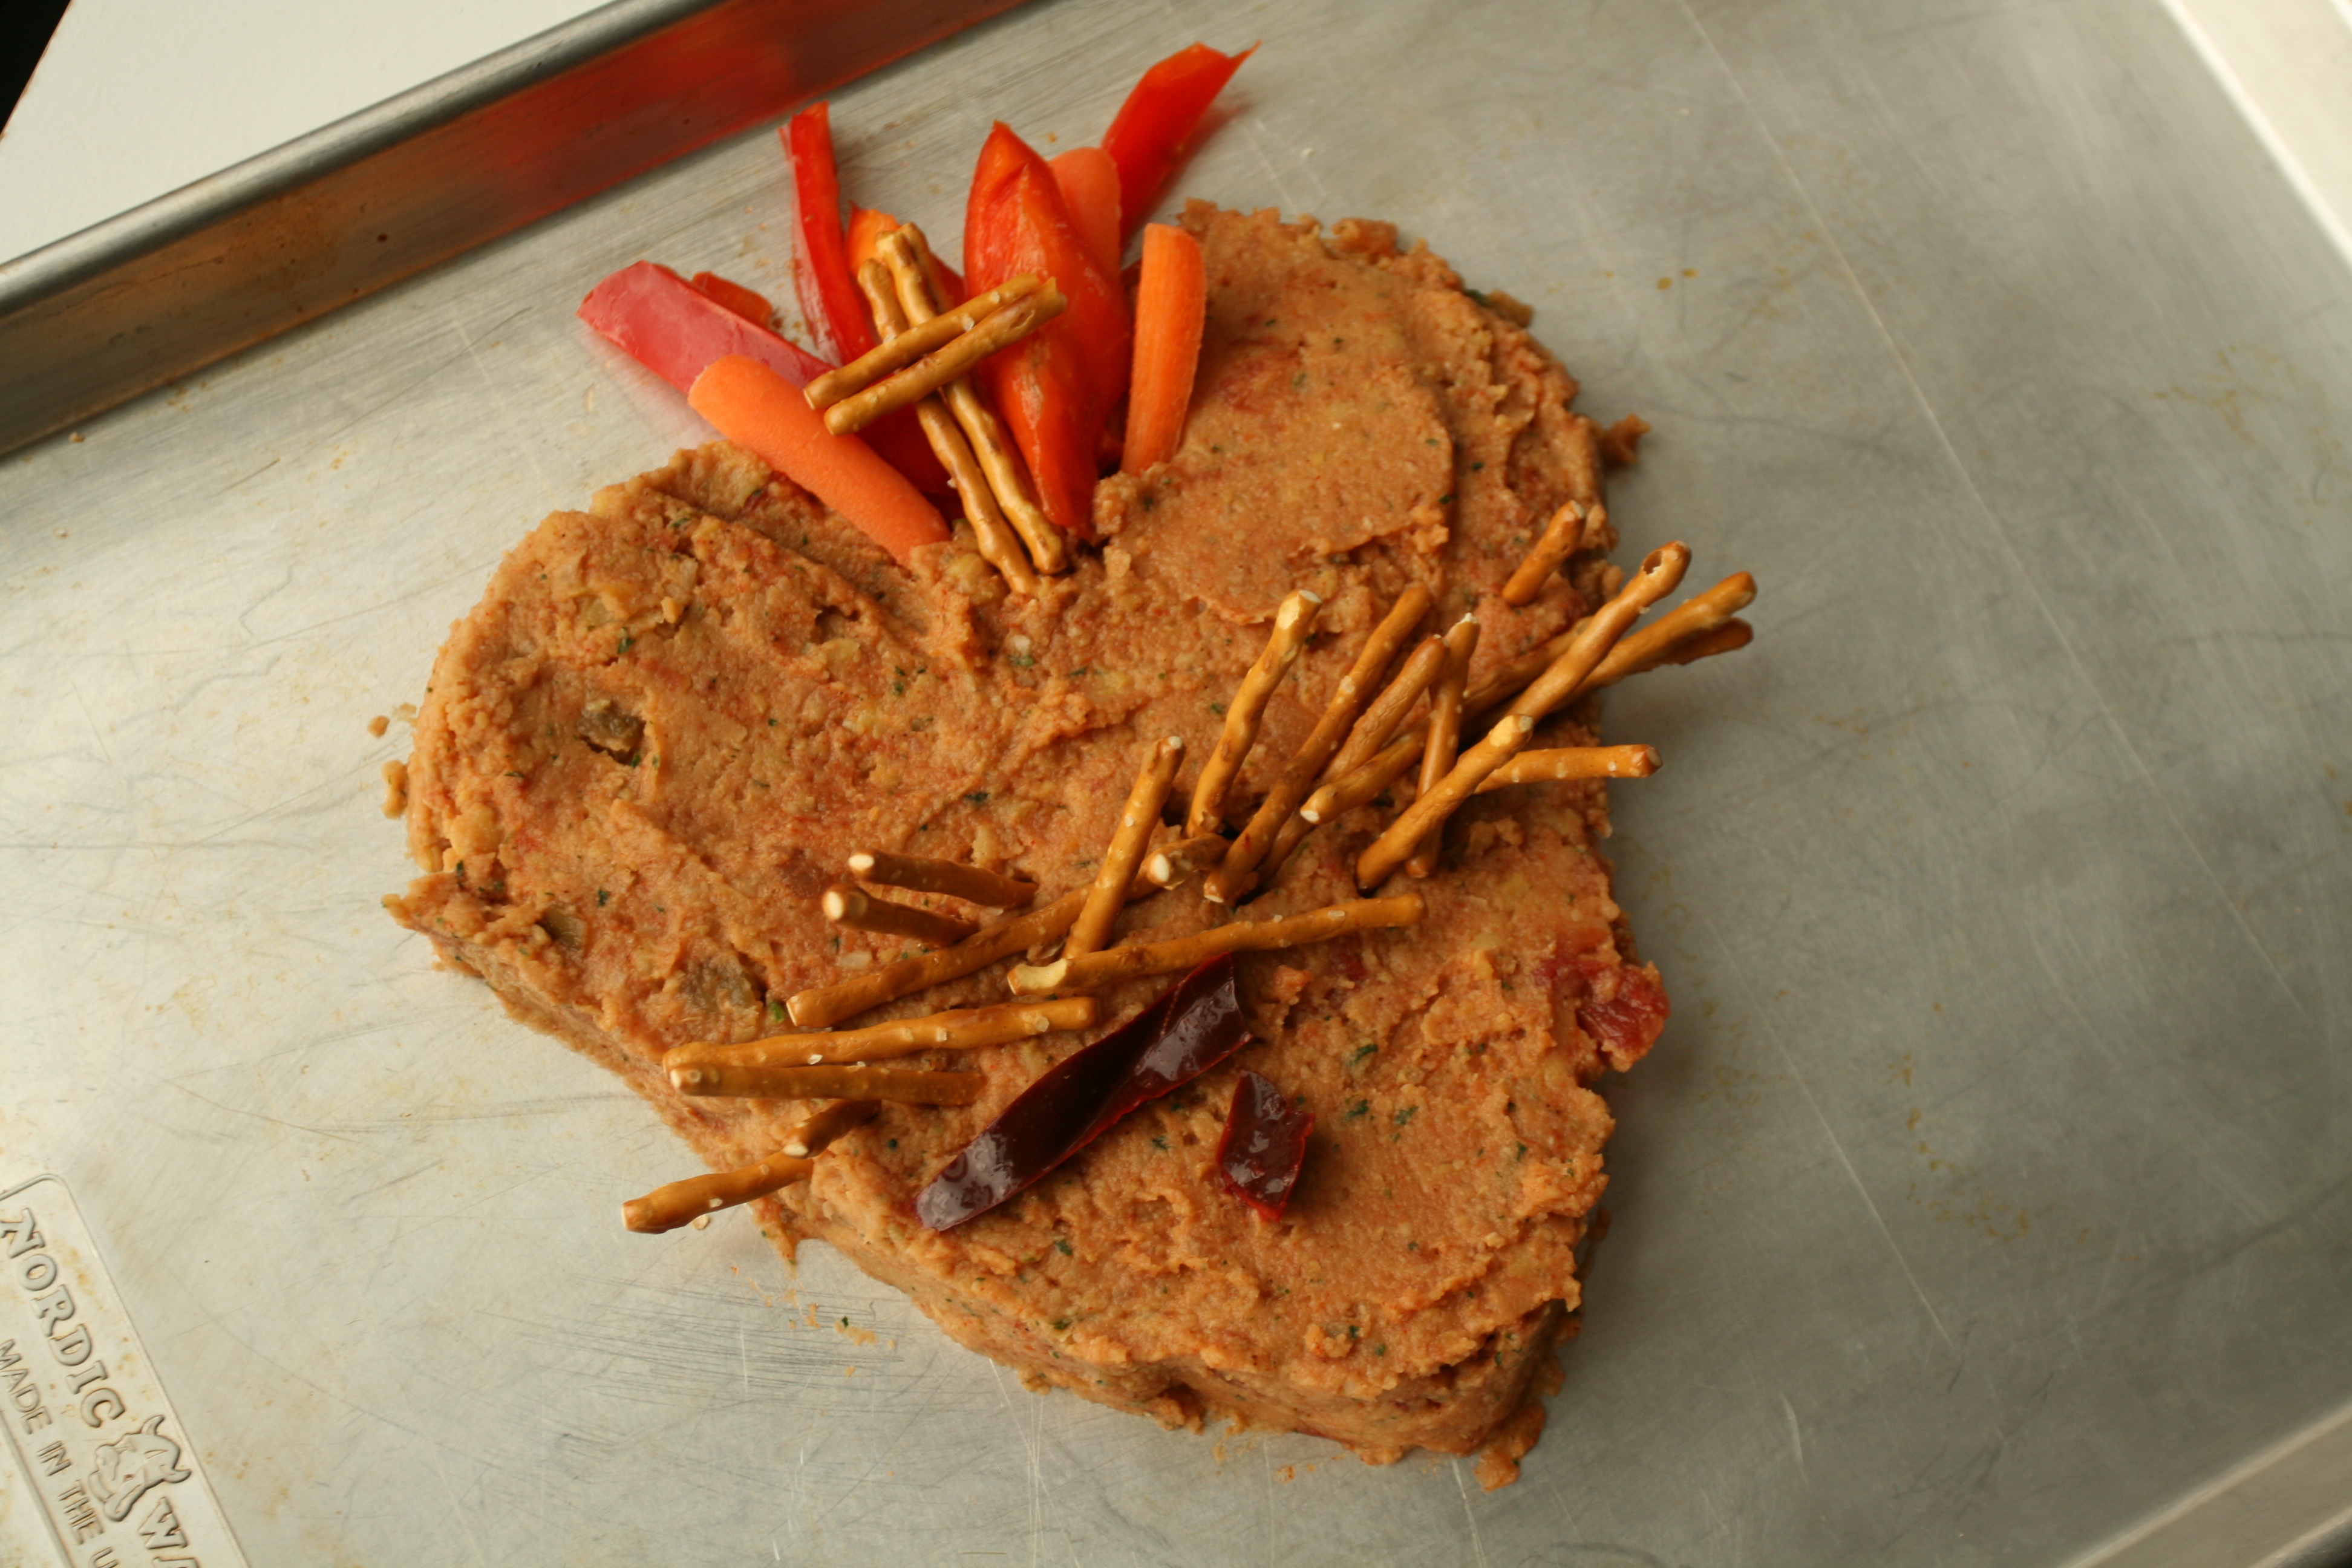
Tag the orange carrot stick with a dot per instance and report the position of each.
(1090, 183)
(1170, 304)
(749, 304)
(864, 236)
(753, 406)
(866, 228)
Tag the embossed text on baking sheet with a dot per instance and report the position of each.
(97, 1441)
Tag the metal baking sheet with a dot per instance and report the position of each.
(1988, 1199)
(161, 291)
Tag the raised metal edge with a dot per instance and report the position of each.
(2283, 1508)
(155, 293)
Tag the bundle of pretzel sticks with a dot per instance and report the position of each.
(924, 358)
(1361, 748)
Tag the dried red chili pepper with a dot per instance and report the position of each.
(1188, 1031)
(1263, 1145)
(1157, 122)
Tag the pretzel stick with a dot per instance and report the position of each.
(1508, 679)
(1173, 864)
(1571, 762)
(1243, 936)
(1396, 758)
(1373, 731)
(1701, 612)
(1292, 622)
(1729, 637)
(1235, 876)
(1504, 680)
(1561, 537)
(1391, 849)
(925, 875)
(1386, 712)
(1588, 642)
(909, 344)
(1127, 843)
(999, 545)
(1590, 639)
(1363, 785)
(817, 1132)
(1444, 733)
(935, 370)
(862, 912)
(683, 1202)
(963, 1029)
(904, 1086)
(823, 1005)
(909, 257)
(1364, 741)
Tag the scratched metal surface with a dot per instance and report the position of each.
(1993, 1187)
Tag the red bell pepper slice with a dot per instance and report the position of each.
(1089, 186)
(678, 331)
(1263, 1145)
(1156, 123)
(1054, 387)
(1184, 1034)
(829, 299)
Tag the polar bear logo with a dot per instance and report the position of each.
(132, 1464)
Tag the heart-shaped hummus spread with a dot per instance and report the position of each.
(645, 755)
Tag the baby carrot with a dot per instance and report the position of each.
(866, 228)
(748, 303)
(1171, 305)
(753, 406)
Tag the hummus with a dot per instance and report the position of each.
(646, 752)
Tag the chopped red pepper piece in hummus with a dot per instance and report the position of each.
(1623, 1010)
